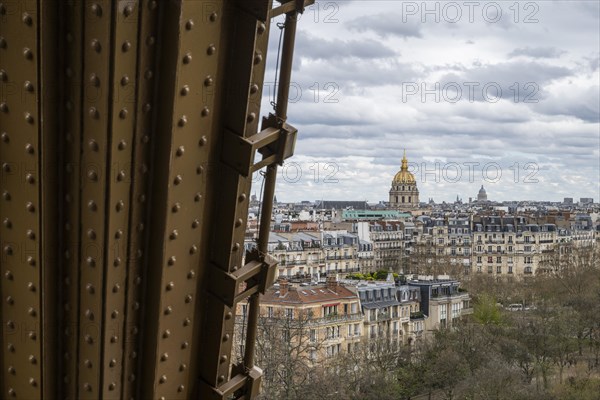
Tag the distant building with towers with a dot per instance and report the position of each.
(404, 194)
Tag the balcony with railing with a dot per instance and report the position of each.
(335, 318)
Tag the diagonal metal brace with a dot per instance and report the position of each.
(254, 277)
(275, 143)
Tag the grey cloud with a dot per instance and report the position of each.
(537, 52)
(386, 24)
(308, 46)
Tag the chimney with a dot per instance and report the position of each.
(332, 282)
(283, 287)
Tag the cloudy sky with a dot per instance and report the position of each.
(504, 94)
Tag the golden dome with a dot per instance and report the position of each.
(403, 176)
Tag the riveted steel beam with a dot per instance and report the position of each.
(28, 118)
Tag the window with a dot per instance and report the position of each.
(499, 269)
(270, 312)
(289, 313)
(313, 335)
(498, 260)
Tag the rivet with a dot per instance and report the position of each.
(189, 25)
(187, 58)
(90, 288)
(87, 387)
(118, 234)
(150, 41)
(171, 261)
(30, 207)
(32, 359)
(121, 175)
(182, 367)
(30, 286)
(3, 107)
(114, 339)
(193, 249)
(122, 145)
(191, 275)
(168, 310)
(10, 300)
(124, 80)
(5, 138)
(187, 322)
(94, 80)
(228, 315)
(123, 113)
(89, 315)
(2, 43)
(120, 205)
(205, 111)
(92, 175)
(178, 179)
(31, 312)
(213, 17)
(199, 170)
(166, 334)
(208, 81)
(29, 148)
(32, 382)
(188, 298)
(91, 234)
(131, 378)
(27, 20)
(253, 88)
(29, 118)
(162, 379)
(170, 286)
(8, 250)
(148, 75)
(114, 314)
(28, 86)
(140, 227)
(12, 370)
(32, 335)
(11, 347)
(261, 28)
(96, 9)
(93, 145)
(30, 234)
(202, 141)
(7, 224)
(95, 44)
(12, 392)
(31, 261)
(128, 11)
(6, 196)
(91, 261)
(180, 150)
(112, 386)
(93, 112)
(197, 197)
(185, 345)
(180, 388)
(164, 357)
(117, 261)
(182, 121)
(30, 178)
(8, 275)
(147, 107)
(251, 117)
(242, 197)
(152, 5)
(195, 224)
(3, 75)
(185, 90)
(257, 58)
(221, 378)
(116, 288)
(238, 222)
(176, 207)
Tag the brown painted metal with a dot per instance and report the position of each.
(128, 136)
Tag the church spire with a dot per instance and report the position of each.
(404, 162)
